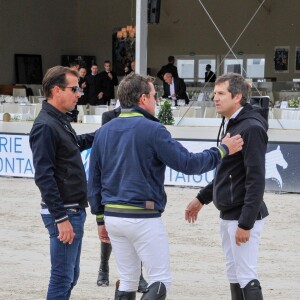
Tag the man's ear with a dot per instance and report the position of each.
(142, 100)
(56, 89)
(238, 98)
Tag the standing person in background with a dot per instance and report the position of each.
(174, 88)
(105, 246)
(168, 68)
(93, 86)
(126, 185)
(108, 81)
(127, 69)
(82, 84)
(74, 65)
(210, 76)
(238, 187)
(132, 65)
(61, 178)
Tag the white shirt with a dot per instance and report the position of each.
(172, 88)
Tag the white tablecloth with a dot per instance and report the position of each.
(290, 114)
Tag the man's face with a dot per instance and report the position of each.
(94, 70)
(67, 98)
(107, 67)
(225, 104)
(168, 78)
(150, 102)
(132, 65)
(82, 72)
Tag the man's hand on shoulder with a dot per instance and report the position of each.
(234, 143)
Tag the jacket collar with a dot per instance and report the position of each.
(140, 110)
(64, 118)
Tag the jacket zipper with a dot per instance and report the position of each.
(74, 136)
(231, 190)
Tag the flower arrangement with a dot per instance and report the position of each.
(165, 115)
(295, 103)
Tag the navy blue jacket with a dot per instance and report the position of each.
(128, 162)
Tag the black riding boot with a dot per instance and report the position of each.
(236, 291)
(252, 291)
(120, 295)
(142, 288)
(156, 291)
(103, 274)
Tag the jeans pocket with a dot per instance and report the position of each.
(50, 225)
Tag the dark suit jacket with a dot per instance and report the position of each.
(107, 84)
(180, 90)
(169, 68)
(210, 76)
(93, 89)
(111, 114)
(83, 99)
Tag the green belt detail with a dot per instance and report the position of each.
(122, 206)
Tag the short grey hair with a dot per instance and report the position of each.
(132, 87)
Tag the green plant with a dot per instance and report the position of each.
(294, 102)
(165, 115)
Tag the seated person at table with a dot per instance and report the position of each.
(174, 88)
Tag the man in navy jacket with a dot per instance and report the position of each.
(126, 185)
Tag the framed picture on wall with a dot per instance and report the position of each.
(297, 60)
(28, 68)
(281, 59)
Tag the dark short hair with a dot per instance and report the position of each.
(237, 85)
(56, 76)
(107, 62)
(132, 87)
(208, 66)
(171, 58)
(73, 64)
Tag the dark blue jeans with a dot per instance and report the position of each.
(65, 258)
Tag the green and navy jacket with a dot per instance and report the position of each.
(128, 162)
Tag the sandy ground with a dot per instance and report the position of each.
(197, 261)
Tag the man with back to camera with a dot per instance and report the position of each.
(126, 185)
(238, 187)
(105, 245)
(60, 177)
(168, 68)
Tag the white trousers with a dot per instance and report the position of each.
(241, 261)
(139, 240)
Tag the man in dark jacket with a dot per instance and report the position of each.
(210, 76)
(174, 88)
(61, 178)
(126, 185)
(108, 81)
(238, 187)
(168, 68)
(93, 86)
